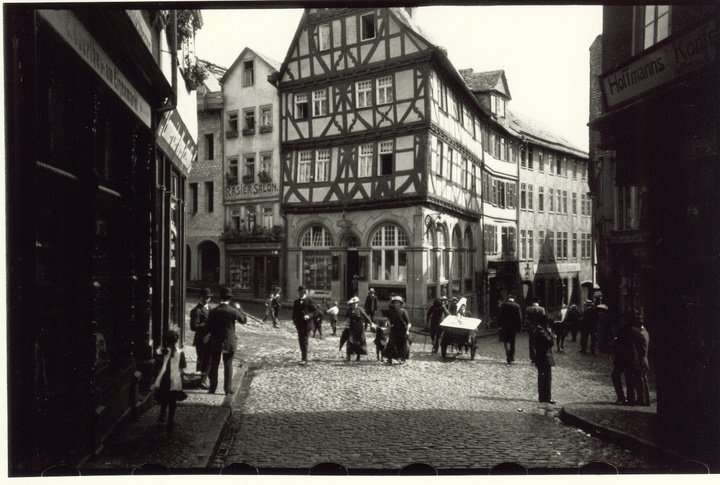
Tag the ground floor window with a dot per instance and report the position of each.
(317, 270)
(241, 273)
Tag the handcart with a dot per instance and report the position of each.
(459, 331)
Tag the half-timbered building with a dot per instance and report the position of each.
(381, 147)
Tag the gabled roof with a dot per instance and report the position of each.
(483, 82)
(271, 63)
(541, 133)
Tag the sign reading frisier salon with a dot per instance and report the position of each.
(658, 66)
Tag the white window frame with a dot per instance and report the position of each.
(388, 238)
(322, 165)
(268, 218)
(304, 165)
(324, 42)
(320, 104)
(300, 99)
(363, 94)
(384, 90)
(365, 160)
(385, 148)
(362, 30)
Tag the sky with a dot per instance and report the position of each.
(544, 50)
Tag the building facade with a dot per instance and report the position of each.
(655, 135)
(96, 167)
(253, 230)
(205, 251)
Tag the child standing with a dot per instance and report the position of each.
(332, 313)
(272, 306)
(168, 385)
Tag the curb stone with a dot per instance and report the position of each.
(219, 425)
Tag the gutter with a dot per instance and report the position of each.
(173, 55)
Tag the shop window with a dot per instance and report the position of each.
(388, 255)
(367, 26)
(317, 263)
(241, 273)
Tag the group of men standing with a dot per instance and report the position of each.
(215, 338)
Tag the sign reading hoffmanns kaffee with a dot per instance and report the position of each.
(689, 52)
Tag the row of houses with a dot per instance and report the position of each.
(367, 160)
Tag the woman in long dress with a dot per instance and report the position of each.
(398, 346)
(354, 334)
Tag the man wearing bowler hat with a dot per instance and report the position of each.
(201, 339)
(371, 304)
(221, 323)
(304, 312)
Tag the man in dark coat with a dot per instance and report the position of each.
(542, 340)
(588, 328)
(434, 317)
(534, 316)
(510, 322)
(625, 361)
(573, 321)
(371, 304)
(304, 312)
(201, 339)
(223, 342)
(641, 341)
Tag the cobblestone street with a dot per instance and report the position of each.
(450, 414)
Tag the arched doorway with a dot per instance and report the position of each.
(209, 256)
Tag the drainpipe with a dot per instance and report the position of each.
(173, 56)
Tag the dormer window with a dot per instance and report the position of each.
(497, 106)
(248, 73)
(367, 25)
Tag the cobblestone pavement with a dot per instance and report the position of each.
(457, 413)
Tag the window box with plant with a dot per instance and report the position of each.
(264, 177)
(248, 178)
(248, 131)
(231, 134)
(231, 179)
(194, 73)
(265, 128)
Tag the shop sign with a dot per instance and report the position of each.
(250, 189)
(75, 34)
(142, 27)
(174, 138)
(686, 53)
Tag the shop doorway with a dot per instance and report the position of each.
(209, 262)
(352, 269)
(261, 280)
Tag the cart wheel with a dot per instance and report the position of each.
(443, 350)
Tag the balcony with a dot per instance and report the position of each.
(231, 134)
(248, 131)
(210, 102)
(266, 128)
(257, 234)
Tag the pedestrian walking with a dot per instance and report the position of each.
(304, 312)
(625, 361)
(272, 306)
(371, 304)
(560, 327)
(381, 338)
(355, 332)
(573, 321)
(534, 316)
(398, 346)
(201, 339)
(168, 384)
(641, 342)
(433, 318)
(588, 328)
(223, 342)
(332, 315)
(317, 324)
(542, 340)
(510, 322)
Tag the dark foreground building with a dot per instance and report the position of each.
(654, 137)
(97, 155)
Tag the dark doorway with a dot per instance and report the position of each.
(260, 276)
(495, 296)
(209, 262)
(352, 269)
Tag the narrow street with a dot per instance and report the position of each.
(450, 414)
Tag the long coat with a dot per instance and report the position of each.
(221, 323)
(198, 324)
(542, 342)
(398, 346)
(534, 315)
(509, 319)
(302, 307)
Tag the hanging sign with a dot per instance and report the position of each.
(74, 33)
(174, 138)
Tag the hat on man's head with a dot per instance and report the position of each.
(397, 298)
(352, 300)
(301, 288)
(205, 293)
(454, 298)
(443, 297)
(226, 293)
(371, 290)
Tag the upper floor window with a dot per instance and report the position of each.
(320, 105)
(363, 92)
(193, 198)
(232, 124)
(322, 165)
(301, 106)
(265, 116)
(209, 146)
(304, 163)
(385, 90)
(248, 73)
(266, 163)
(656, 24)
(541, 161)
(365, 160)
(367, 26)
(324, 37)
(233, 169)
(249, 166)
(249, 119)
(497, 105)
(386, 158)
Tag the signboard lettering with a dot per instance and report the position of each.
(696, 49)
(75, 34)
(174, 137)
(250, 189)
(142, 27)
